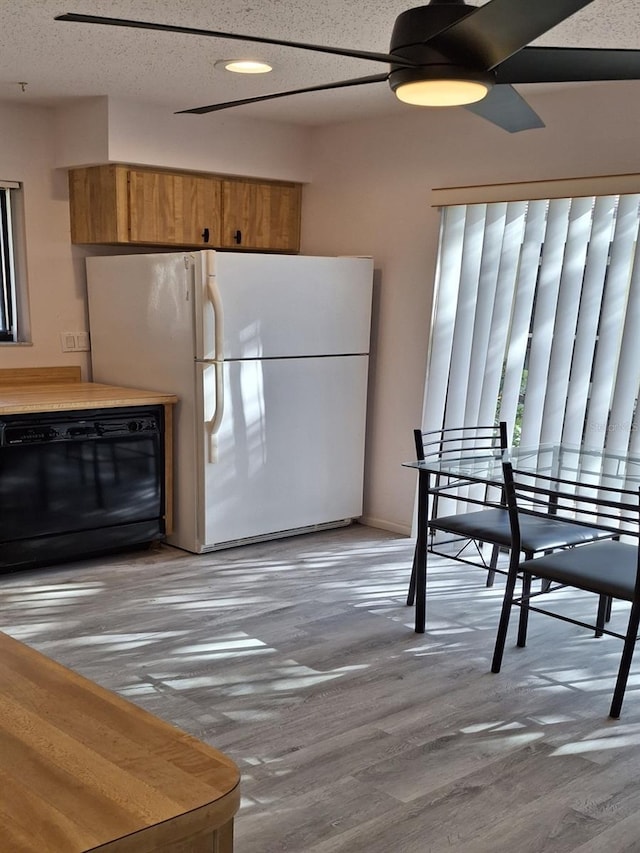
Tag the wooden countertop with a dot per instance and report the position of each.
(47, 397)
(82, 769)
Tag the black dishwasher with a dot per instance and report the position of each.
(79, 483)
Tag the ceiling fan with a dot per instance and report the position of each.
(448, 53)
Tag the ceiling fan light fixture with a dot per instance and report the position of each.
(440, 86)
(245, 66)
(442, 93)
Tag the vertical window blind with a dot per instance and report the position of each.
(536, 321)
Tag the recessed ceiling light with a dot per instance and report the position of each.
(244, 66)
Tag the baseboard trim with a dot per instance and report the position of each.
(383, 524)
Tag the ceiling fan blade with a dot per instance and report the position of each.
(569, 65)
(170, 28)
(493, 32)
(342, 84)
(504, 107)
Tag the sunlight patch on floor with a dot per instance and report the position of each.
(277, 679)
(511, 741)
(119, 642)
(476, 728)
(53, 595)
(36, 629)
(230, 644)
(619, 741)
(552, 720)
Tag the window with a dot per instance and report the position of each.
(8, 284)
(536, 321)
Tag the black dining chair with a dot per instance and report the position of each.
(609, 568)
(448, 445)
(488, 524)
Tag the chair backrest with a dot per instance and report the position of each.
(595, 499)
(456, 444)
(449, 441)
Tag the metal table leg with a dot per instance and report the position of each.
(421, 552)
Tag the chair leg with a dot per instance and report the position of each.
(491, 574)
(523, 622)
(625, 661)
(601, 616)
(411, 595)
(503, 624)
(604, 613)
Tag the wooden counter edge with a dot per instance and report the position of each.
(188, 829)
(204, 828)
(76, 396)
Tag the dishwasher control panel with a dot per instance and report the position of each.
(66, 427)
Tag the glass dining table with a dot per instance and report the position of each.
(588, 465)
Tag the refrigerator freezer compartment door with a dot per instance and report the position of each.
(289, 448)
(142, 313)
(278, 306)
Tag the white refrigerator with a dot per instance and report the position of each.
(268, 355)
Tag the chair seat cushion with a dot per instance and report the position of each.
(608, 568)
(537, 534)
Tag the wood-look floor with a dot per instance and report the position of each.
(297, 658)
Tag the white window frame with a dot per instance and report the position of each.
(11, 325)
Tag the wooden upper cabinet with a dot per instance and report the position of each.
(119, 204)
(261, 215)
(98, 204)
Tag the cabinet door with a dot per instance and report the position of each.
(199, 216)
(259, 215)
(174, 209)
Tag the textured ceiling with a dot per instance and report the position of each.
(60, 61)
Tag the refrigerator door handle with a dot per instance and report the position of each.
(218, 318)
(218, 326)
(213, 426)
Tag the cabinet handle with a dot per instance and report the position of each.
(205, 235)
(237, 237)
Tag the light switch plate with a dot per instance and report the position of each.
(75, 341)
(68, 340)
(82, 341)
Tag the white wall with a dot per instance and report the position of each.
(369, 194)
(213, 143)
(101, 130)
(56, 293)
(81, 132)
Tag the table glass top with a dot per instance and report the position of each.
(556, 460)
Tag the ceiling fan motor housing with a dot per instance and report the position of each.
(409, 41)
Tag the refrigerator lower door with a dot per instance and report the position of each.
(289, 453)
